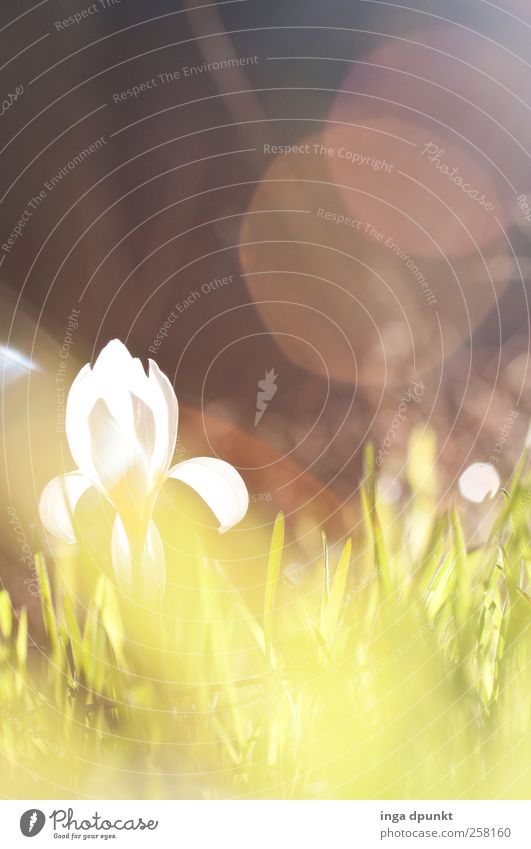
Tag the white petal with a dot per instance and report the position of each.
(116, 379)
(116, 375)
(219, 485)
(113, 358)
(81, 400)
(141, 415)
(119, 462)
(479, 481)
(153, 566)
(121, 382)
(121, 556)
(147, 576)
(166, 412)
(58, 502)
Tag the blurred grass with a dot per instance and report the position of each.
(400, 668)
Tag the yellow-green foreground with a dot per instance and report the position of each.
(399, 668)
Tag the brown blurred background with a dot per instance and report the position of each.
(262, 172)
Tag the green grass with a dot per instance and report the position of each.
(398, 668)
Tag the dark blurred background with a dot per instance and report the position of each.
(390, 246)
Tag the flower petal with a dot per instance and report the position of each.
(110, 380)
(113, 359)
(81, 400)
(58, 502)
(120, 463)
(219, 485)
(166, 412)
(147, 576)
(120, 381)
(144, 411)
(116, 377)
(153, 565)
(121, 556)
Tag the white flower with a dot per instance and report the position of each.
(121, 427)
(479, 481)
